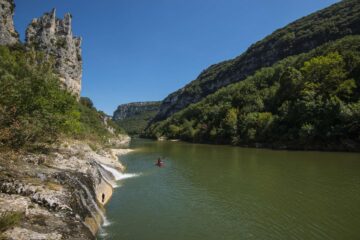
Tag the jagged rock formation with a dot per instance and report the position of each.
(8, 34)
(54, 36)
(134, 117)
(301, 36)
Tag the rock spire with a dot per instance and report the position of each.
(8, 34)
(54, 37)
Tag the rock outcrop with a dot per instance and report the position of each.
(54, 36)
(60, 196)
(8, 34)
(301, 36)
(131, 109)
(134, 117)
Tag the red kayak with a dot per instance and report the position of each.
(159, 163)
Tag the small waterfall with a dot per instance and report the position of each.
(94, 204)
(83, 201)
(107, 176)
(117, 174)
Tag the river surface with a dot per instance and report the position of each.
(221, 192)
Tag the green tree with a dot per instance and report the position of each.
(230, 122)
(87, 102)
(34, 108)
(327, 72)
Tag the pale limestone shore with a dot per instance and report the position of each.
(62, 195)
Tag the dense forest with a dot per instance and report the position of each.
(307, 101)
(303, 35)
(36, 111)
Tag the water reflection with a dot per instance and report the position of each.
(222, 192)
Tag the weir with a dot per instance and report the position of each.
(105, 222)
(107, 176)
(119, 175)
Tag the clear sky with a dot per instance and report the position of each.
(141, 50)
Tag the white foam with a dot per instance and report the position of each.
(104, 176)
(103, 233)
(129, 175)
(106, 222)
(119, 175)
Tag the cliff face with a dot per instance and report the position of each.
(134, 117)
(8, 35)
(54, 36)
(301, 36)
(131, 109)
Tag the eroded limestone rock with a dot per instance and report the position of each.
(8, 34)
(61, 194)
(55, 37)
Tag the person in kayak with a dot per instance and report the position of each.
(159, 162)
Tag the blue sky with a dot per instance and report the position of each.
(141, 50)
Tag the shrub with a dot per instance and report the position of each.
(34, 109)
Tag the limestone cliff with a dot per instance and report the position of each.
(134, 117)
(55, 37)
(8, 34)
(131, 109)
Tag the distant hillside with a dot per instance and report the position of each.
(134, 117)
(308, 101)
(301, 36)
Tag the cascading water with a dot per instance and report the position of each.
(94, 204)
(107, 176)
(117, 174)
(83, 201)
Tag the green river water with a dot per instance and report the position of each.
(222, 192)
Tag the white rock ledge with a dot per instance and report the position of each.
(66, 189)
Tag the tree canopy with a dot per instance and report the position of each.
(311, 100)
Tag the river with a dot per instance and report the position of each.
(222, 192)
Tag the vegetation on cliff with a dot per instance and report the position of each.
(309, 101)
(34, 109)
(52, 143)
(301, 36)
(134, 117)
(135, 125)
(96, 125)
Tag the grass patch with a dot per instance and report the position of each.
(54, 186)
(9, 220)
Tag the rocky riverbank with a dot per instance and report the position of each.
(60, 194)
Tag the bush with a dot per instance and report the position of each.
(95, 125)
(34, 109)
(85, 101)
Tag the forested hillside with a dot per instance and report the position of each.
(301, 36)
(308, 101)
(134, 117)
